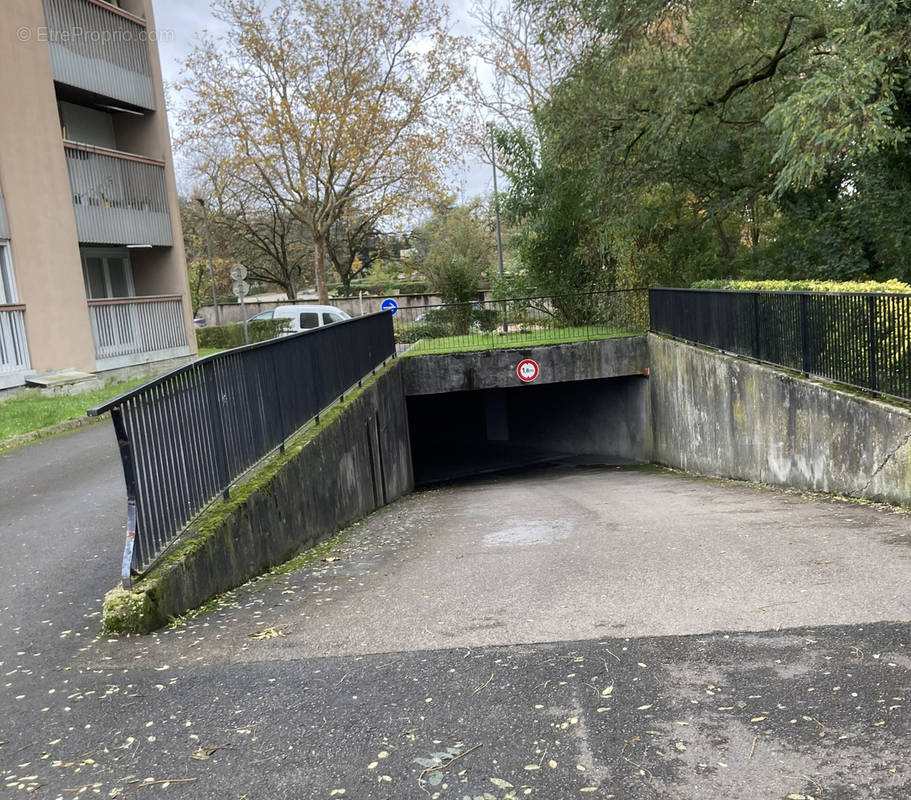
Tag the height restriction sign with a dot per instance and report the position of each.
(527, 370)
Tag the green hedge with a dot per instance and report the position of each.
(226, 336)
(845, 332)
(893, 286)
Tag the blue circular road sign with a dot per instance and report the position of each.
(390, 305)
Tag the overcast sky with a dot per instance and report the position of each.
(179, 22)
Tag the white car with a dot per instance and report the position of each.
(304, 318)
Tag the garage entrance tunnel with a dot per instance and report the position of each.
(457, 434)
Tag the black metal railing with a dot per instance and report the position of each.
(520, 322)
(858, 339)
(185, 437)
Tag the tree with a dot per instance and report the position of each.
(459, 253)
(194, 240)
(353, 245)
(524, 58)
(332, 104)
(753, 123)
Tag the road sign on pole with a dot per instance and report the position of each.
(390, 305)
(528, 370)
(241, 289)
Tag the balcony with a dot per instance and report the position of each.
(99, 48)
(118, 198)
(137, 330)
(14, 362)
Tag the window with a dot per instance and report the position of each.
(309, 320)
(7, 287)
(107, 275)
(329, 318)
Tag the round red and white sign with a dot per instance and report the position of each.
(527, 370)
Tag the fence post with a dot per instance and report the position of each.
(805, 333)
(129, 477)
(756, 340)
(871, 338)
(219, 449)
(278, 398)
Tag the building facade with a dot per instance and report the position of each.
(92, 271)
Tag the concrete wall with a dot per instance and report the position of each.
(598, 417)
(358, 460)
(491, 369)
(714, 414)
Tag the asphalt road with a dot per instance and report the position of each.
(560, 633)
(61, 537)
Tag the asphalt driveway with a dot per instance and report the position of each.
(582, 632)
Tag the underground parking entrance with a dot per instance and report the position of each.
(473, 414)
(460, 434)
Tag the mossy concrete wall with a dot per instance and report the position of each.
(357, 460)
(714, 414)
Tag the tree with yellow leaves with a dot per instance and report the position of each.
(331, 104)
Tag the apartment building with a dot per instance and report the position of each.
(92, 270)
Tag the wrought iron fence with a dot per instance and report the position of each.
(861, 340)
(187, 436)
(520, 322)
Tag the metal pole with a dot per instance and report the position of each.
(129, 475)
(496, 198)
(496, 211)
(205, 213)
(243, 311)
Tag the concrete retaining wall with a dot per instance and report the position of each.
(496, 369)
(357, 460)
(714, 414)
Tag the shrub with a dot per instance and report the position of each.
(226, 336)
(893, 286)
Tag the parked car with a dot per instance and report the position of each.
(304, 317)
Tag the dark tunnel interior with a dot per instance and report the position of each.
(459, 434)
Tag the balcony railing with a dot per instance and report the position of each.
(118, 198)
(99, 48)
(133, 330)
(13, 346)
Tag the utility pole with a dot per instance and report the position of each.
(496, 196)
(496, 211)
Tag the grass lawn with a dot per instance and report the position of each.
(208, 351)
(499, 341)
(33, 411)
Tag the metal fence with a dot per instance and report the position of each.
(861, 340)
(13, 344)
(100, 48)
(520, 322)
(187, 436)
(118, 197)
(126, 326)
